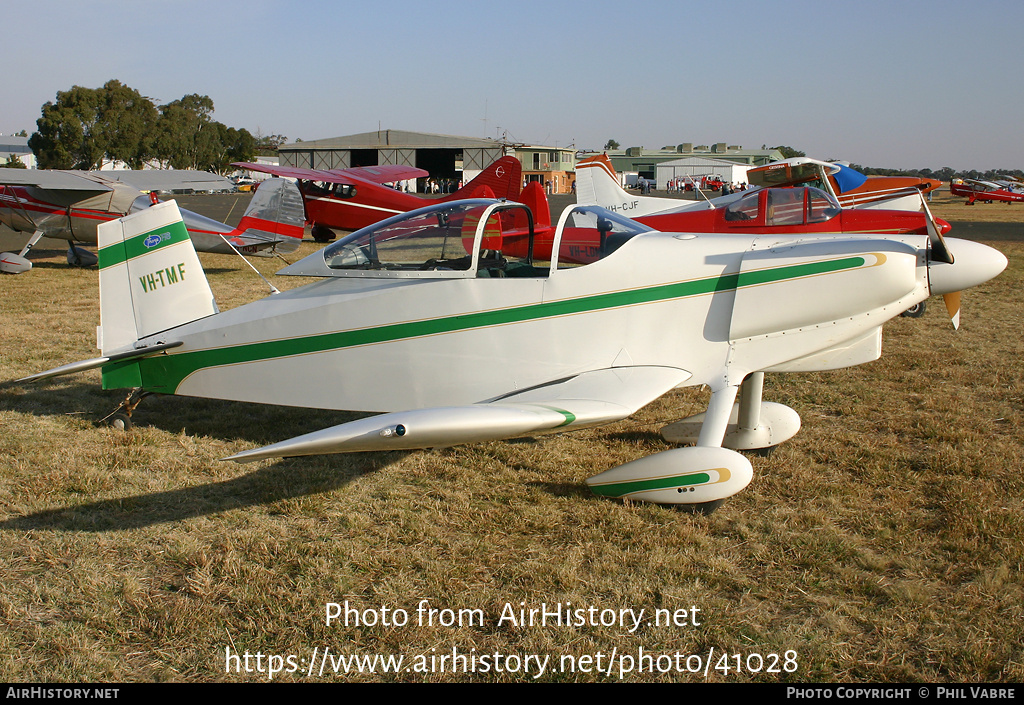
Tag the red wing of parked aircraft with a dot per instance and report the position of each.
(70, 205)
(349, 199)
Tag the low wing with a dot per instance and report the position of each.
(373, 174)
(587, 399)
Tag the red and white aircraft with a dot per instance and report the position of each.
(352, 198)
(70, 205)
(851, 188)
(597, 183)
(985, 191)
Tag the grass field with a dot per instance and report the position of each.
(884, 542)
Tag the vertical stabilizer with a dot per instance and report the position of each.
(150, 277)
(503, 178)
(598, 184)
(276, 213)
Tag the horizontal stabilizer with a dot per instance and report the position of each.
(588, 399)
(83, 365)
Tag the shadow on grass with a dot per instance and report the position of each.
(194, 416)
(290, 478)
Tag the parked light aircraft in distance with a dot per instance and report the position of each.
(985, 191)
(352, 198)
(424, 318)
(597, 183)
(70, 205)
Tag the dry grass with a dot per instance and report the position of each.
(883, 543)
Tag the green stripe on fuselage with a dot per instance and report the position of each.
(142, 244)
(164, 373)
(621, 489)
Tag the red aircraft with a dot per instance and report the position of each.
(984, 191)
(349, 199)
(801, 209)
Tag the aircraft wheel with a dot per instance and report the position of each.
(915, 311)
(322, 234)
(121, 422)
(702, 508)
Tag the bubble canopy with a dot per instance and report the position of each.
(470, 238)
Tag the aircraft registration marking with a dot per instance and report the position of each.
(163, 277)
(624, 206)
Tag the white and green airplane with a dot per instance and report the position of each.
(428, 318)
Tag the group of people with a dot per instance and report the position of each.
(704, 183)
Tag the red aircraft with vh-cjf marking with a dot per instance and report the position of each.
(352, 198)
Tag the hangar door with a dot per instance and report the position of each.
(478, 159)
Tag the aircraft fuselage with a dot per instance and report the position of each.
(716, 306)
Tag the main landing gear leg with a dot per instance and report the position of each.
(36, 236)
(752, 424)
(121, 417)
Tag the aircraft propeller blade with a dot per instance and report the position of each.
(953, 306)
(940, 253)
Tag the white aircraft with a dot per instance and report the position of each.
(422, 317)
(69, 205)
(598, 184)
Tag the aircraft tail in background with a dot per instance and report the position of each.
(597, 184)
(534, 197)
(273, 224)
(504, 178)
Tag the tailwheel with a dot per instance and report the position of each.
(121, 417)
(322, 234)
(119, 421)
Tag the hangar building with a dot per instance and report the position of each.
(449, 158)
(638, 160)
(729, 172)
(13, 146)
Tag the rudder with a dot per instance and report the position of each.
(150, 277)
(276, 211)
(504, 177)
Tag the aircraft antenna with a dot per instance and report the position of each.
(273, 289)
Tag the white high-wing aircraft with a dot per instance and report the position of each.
(70, 205)
(423, 318)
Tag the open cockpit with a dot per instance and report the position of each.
(472, 238)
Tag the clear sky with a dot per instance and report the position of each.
(896, 83)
